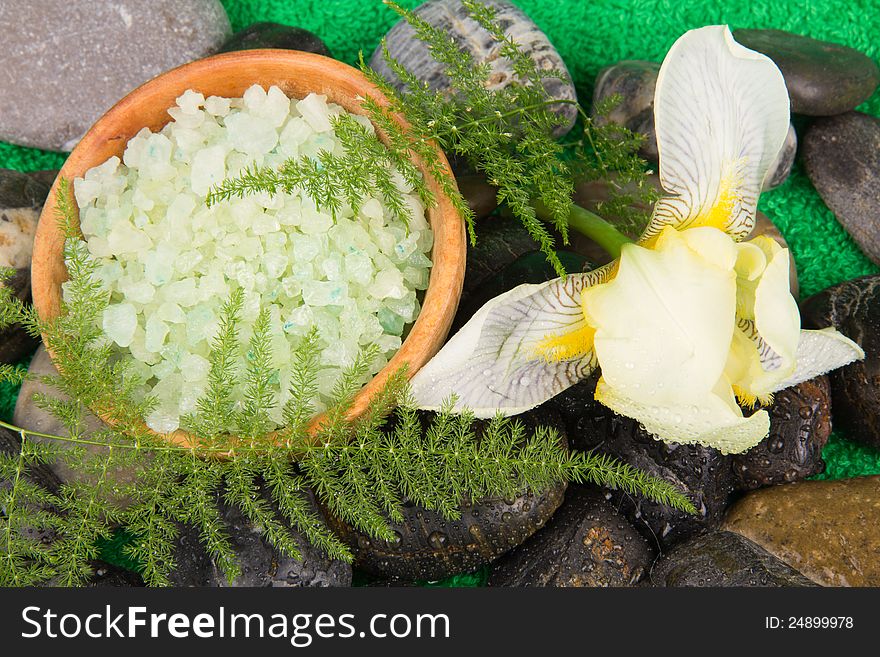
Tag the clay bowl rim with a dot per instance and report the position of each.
(342, 84)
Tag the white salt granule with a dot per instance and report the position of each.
(170, 262)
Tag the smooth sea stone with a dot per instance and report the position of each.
(800, 424)
(63, 64)
(722, 558)
(822, 78)
(21, 199)
(827, 530)
(429, 547)
(106, 574)
(635, 81)
(260, 564)
(781, 167)
(451, 16)
(267, 34)
(842, 158)
(702, 473)
(853, 308)
(585, 543)
(30, 416)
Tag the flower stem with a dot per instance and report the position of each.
(591, 225)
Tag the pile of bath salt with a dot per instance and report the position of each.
(170, 262)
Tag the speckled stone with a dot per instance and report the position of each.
(723, 559)
(586, 543)
(827, 530)
(275, 35)
(63, 64)
(451, 16)
(853, 308)
(822, 78)
(800, 424)
(842, 158)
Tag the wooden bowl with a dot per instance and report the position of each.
(229, 75)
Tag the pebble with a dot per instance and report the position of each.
(30, 416)
(267, 34)
(704, 474)
(853, 308)
(260, 564)
(722, 558)
(585, 543)
(842, 159)
(823, 78)
(827, 530)
(64, 64)
(800, 424)
(21, 199)
(429, 547)
(634, 81)
(451, 16)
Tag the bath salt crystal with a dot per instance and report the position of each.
(170, 262)
(119, 323)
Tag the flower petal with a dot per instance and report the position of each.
(519, 350)
(713, 420)
(665, 322)
(721, 113)
(819, 352)
(768, 317)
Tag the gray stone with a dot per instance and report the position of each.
(451, 16)
(63, 64)
(780, 170)
(260, 564)
(634, 81)
(585, 543)
(274, 35)
(822, 78)
(30, 416)
(853, 308)
(723, 559)
(842, 158)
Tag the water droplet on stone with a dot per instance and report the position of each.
(437, 540)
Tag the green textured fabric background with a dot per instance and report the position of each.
(593, 34)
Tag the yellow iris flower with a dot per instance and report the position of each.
(690, 322)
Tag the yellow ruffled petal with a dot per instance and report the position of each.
(664, 324)
(721, 114)
(713, 419)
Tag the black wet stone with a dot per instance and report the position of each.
(704, 474)
(800, 423)
(721, 558)
(106, 574)
(823, 78)
(260, 564)
(22, 190)
(853, 308)
(429, 547)
(585, 543)
(267, 34)
(842, 158)
(634, 81)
